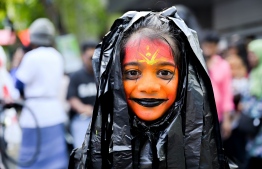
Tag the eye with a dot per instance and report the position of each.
(132, 74)
(165, 74)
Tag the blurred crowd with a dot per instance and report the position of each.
(235, 73)
(57, 104)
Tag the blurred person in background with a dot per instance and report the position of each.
(220, 76)
(238, 46)
(81, 94)
(237, 59)
(251, 103)
(39, 75)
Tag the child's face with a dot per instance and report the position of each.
(150, 78)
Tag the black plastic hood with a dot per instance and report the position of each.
(187, 137)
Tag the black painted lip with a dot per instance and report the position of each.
(148, 102)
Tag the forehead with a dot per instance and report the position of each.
(147, 48)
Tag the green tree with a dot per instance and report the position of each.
(21, 12)
(84, 18)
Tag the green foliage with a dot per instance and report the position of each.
(21, 12)
(2, 13)
(85, 18)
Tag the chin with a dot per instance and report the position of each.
(149, 115)
(148, 119)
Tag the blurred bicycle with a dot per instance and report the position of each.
(11, 136)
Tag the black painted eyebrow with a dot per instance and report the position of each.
(166, 64)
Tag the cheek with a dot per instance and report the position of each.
(171, 91)
(171, 88)
(128, 87)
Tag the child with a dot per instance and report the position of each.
(155, 106)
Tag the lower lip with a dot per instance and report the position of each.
(149, 103)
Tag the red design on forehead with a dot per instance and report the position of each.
(148, 51)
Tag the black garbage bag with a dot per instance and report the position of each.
(186, 137)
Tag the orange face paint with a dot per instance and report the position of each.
(150, 78)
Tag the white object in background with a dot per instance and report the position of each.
(7, 88)
(13, 133)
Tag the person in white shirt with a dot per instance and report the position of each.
(39, 75)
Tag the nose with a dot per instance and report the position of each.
(149, 86)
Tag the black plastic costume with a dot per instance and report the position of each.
(186, 137)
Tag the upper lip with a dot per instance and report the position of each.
(148, 102)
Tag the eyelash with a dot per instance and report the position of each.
(129, 76)
(165, 77)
